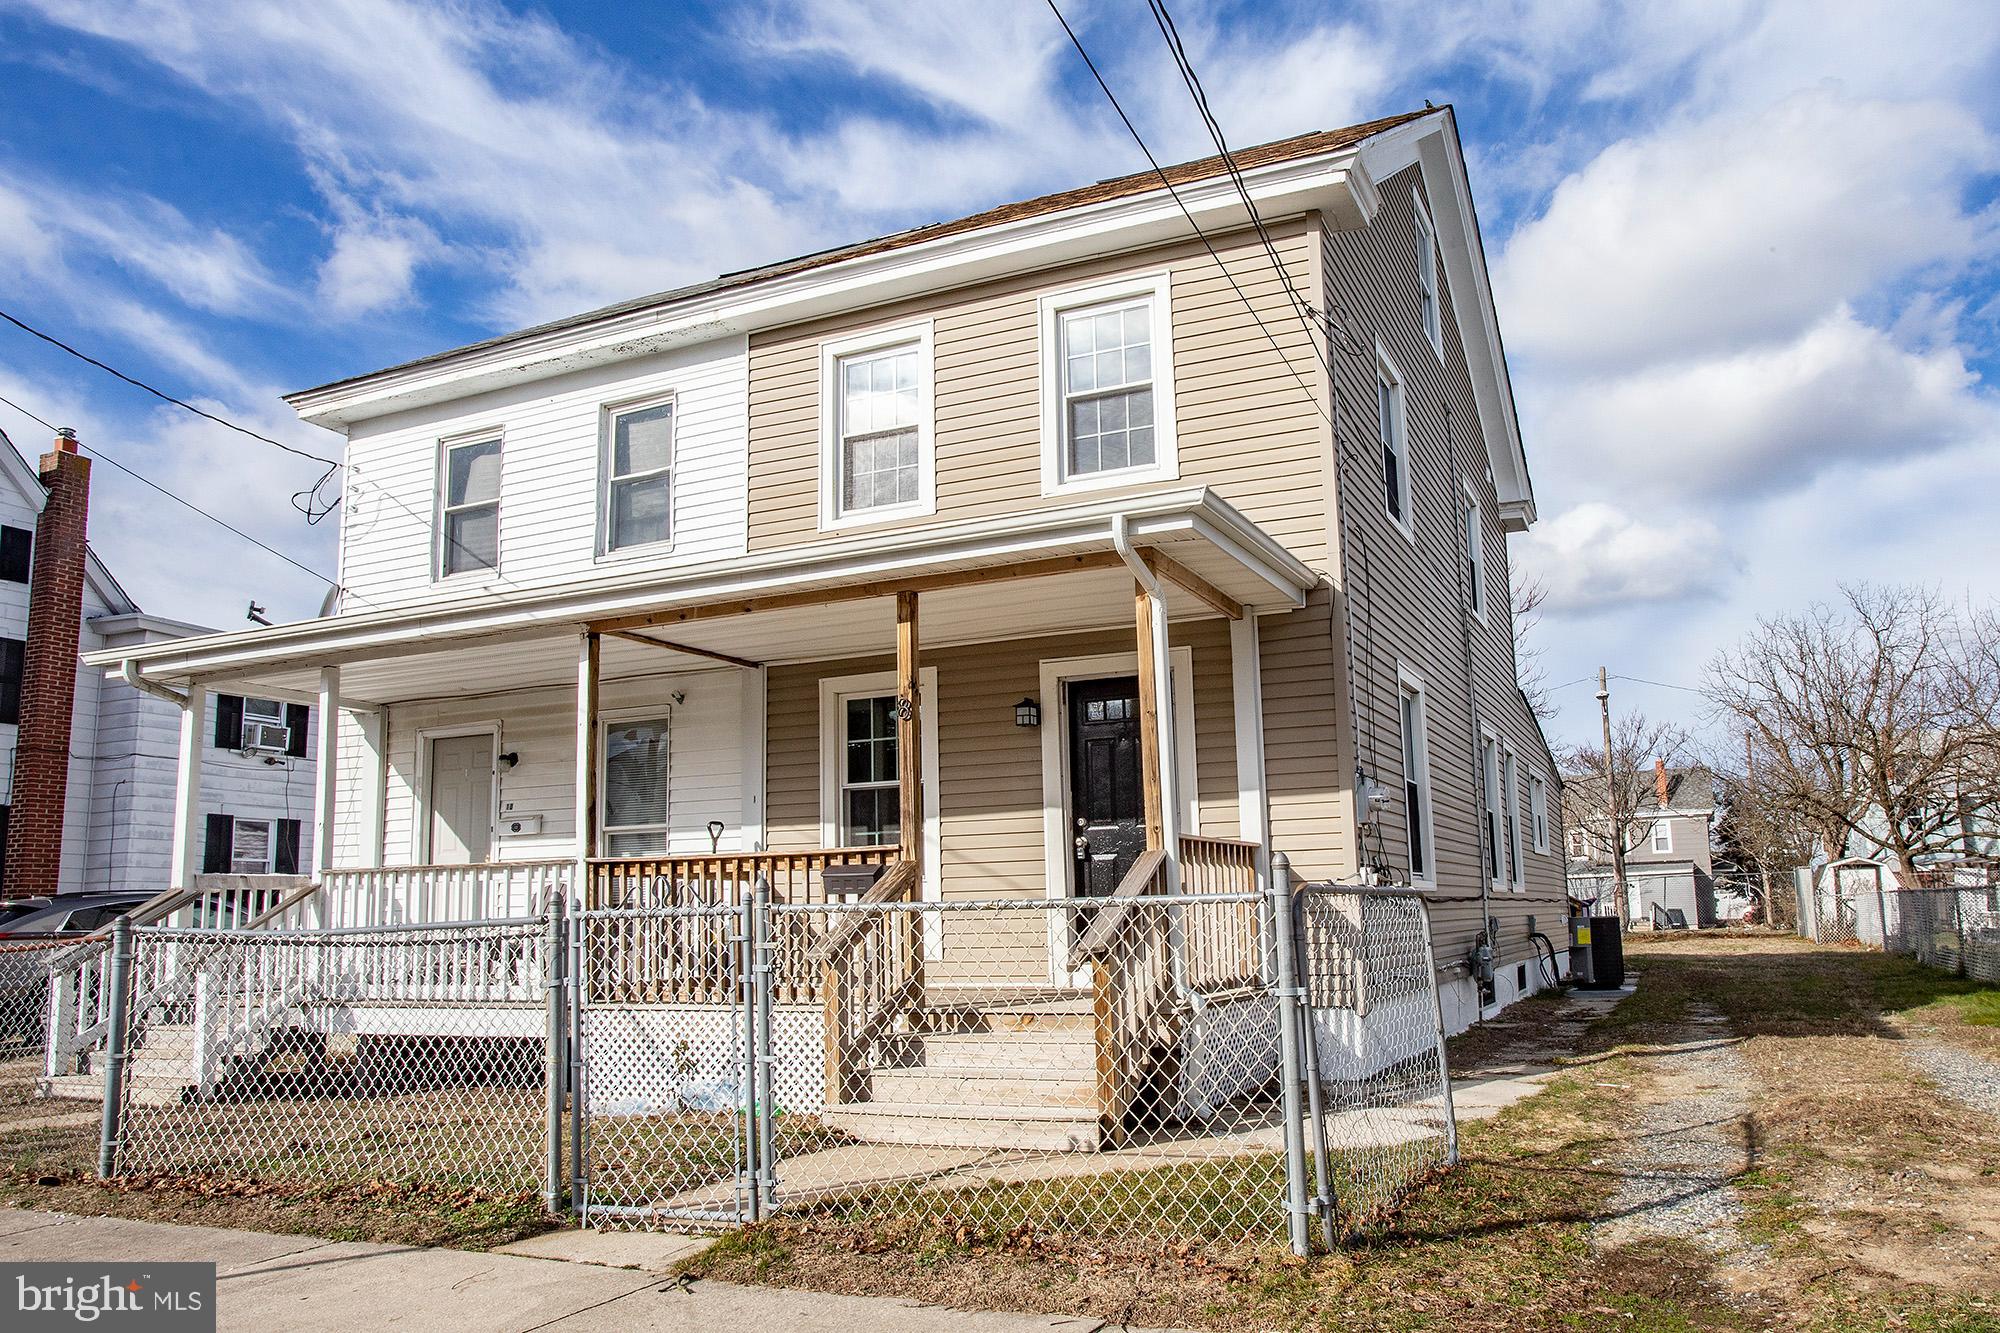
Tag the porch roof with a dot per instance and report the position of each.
(996, 578)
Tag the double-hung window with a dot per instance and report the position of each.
(1416, 784)
(871, 801)
(876, 430)
(252, 847)
(635, 786)
(1663, 836)
(638, 501)
(1538, 812)
(1475, 554)
(1428, 313)
(1510, 810)
(1107, 387)
(1489, 781)
(1391, 423)
(469, 508)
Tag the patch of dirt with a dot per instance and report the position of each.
(1968, 1079)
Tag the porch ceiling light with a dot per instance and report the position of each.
(1027, 713)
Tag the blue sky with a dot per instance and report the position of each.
(1744, 254)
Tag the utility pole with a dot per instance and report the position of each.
(1616, 835)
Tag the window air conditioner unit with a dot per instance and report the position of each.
(267, 737)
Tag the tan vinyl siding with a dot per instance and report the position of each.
(1405, 597)
(1245, 424)
(989, 769)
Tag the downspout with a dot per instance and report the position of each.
(128, 671)
(1487, 873)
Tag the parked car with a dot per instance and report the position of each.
(31, 933)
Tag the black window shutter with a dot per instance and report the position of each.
(13, 657)
(228, 722)
(285, 861)
(215, 852)
(17, 546)
(5, 810)
(297, 718)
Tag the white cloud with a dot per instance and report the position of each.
(373, 264)
(1596, 556)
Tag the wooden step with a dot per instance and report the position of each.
(975, 1089)
(1028, 1128)
(1062, 1049)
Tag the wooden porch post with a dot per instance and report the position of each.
(586, 765)
(909, 731)
(326, 788)
(187, 791)
(1157, 759)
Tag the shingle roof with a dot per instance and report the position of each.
(1116, 187)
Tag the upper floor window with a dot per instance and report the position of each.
(1389, 420)
(1663, 836)
(1579, 844)
(1427, 277)
(262, 725)
(1489, 800)
(1107, 387)
(1510, 809)
(1416, 783)
(17, 546)
(638, 502)
(1538, 811)
(469, 506)
(876, 446)
(1475, 554)
(13, 662)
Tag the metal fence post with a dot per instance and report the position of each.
(579, 1073)
(552, 968)
(761, 947)
(117, 1038)
(1444, 1065)
(1325, 1200)
(748, 1193)
(1278, 901)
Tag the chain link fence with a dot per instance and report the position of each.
(40, 1134)
(1956, 929)
(1211, 1068)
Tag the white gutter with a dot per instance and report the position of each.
(128, 671)
(1121, 542)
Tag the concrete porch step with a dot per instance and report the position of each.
(977, 1088)
(1029, 1128)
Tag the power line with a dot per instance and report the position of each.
(1165, 180)
(96, 452)
(1665, 685)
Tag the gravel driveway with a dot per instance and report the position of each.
(1961, 1075)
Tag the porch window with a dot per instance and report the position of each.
(251, 847)
(639, 477)
(1416, 784)
(635, 787)
(1389, 421)
(469, 521)
(871, 801)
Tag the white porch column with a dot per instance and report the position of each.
(586, 763)
(1253, 811)
(327, 786)
(187, 791)
(756, 684)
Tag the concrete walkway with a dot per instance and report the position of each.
(569, 1281)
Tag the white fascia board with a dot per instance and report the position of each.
(1329, 184)
(1433, 142)
(831, 564)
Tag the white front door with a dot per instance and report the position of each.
(461, 799)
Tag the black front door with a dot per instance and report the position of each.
(1106, 791)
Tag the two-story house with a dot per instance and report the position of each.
(117, 766)
(1051, 551)
(1669, 856)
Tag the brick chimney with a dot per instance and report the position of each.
(48, 676)
(1660, 781)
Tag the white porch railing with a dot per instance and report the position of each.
(425, 895)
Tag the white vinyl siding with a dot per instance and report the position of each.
(554, 496)
(639, 476)
(469, 506)
(1108, 385)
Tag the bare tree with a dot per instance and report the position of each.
(1870, 720)
(1762, 838)
(1528, 594)
(1619, 806)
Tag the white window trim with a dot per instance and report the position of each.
(606, 723)
(438, 507)
(1427, 244)
(1538, 811)
(236, 822)
(1662, 825)
(1495, 833)
(607, 422)
(1157, 288)
(1474, 532)
(1411, 682)
(1386, 369)
(420, 836)
(834, 691)
(1510, 799)
(831, 519)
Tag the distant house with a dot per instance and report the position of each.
(107, 780)
(1669, 864)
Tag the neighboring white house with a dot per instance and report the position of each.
(257, 784)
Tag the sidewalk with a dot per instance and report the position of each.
(557, 1281)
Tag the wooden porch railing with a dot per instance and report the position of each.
(1222, 946)
(690, 958)
(872, 972)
